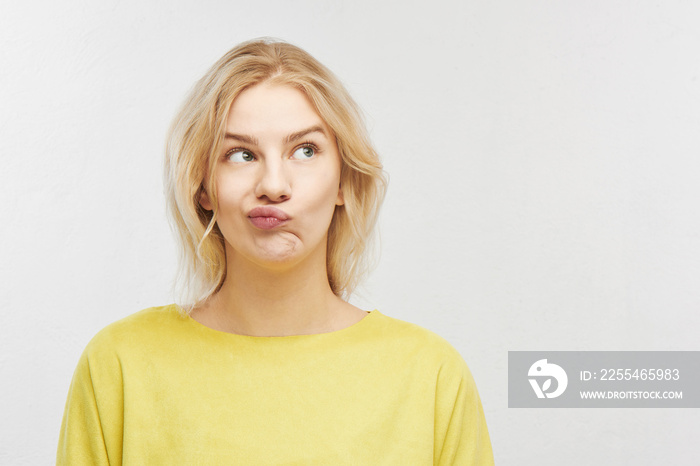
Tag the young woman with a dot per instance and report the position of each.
(273, 187)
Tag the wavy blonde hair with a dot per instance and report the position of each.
(194, 142)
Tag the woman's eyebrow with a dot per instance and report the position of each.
(242, 137)
(304, 132)
(292, 137)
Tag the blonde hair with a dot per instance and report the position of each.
(194, 142)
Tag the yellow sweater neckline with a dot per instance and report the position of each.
(371, 316)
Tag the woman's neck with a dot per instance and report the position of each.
(264, 301)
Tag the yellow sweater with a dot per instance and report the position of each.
(159, 389)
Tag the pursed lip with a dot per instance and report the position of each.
(267, 211)
(267, 218)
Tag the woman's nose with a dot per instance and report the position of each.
(274, 183)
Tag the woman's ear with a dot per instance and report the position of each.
(340, 200)
(204, 200)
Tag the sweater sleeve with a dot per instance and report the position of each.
(461, 435)
(91, 430)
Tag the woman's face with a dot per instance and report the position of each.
(277, 179)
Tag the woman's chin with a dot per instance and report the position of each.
(277, 259)
(280, 248)
(274, 254)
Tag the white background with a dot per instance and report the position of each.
(544, 164)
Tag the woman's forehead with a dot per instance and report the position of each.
(274, 110)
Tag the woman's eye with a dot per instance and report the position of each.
(304, 153)
(240, 156)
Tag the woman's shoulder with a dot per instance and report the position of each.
(426, 352)
(413, 338)
(132, 332)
